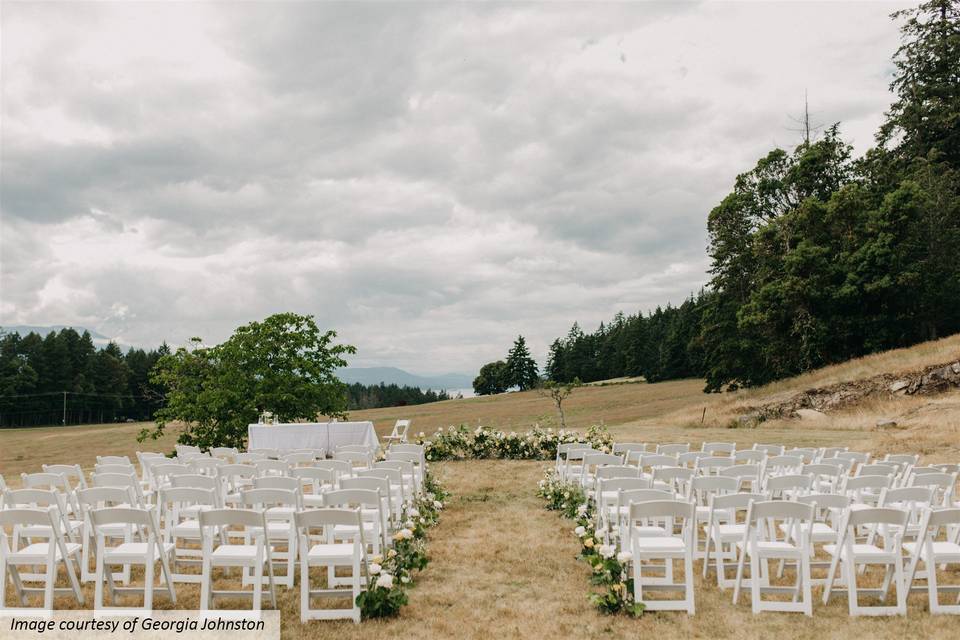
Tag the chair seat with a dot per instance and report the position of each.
(134, 551)
(337, 551)
(38, 552)
(861, 551)
(703, 512)
(764, 547)
(186, 529)
(728, 532)
(229, 553)
(348, 530)
(659, 544)
(942, 550)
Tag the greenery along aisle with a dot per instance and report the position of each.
(390, 575)
(610, 569)
(483, 443)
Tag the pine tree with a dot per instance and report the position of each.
(522, 369)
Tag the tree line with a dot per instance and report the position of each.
(817, 256)
(102, 385)
(109, 385)
(374, 396)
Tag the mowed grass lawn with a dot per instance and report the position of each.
(502, 566)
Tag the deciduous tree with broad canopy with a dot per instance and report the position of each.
(284, 364)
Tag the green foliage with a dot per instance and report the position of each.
(102, 385)
(462, 443)
(391, 575)
(284, 365)
(610, 569)
(381, 602)
(521, 367)
(494, 377)
(817, 257)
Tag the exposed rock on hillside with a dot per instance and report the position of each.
(928, 381)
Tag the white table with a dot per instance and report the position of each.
(311, 435)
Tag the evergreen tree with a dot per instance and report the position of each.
(522, 369)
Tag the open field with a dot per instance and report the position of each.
(502, 566)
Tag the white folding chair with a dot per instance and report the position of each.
(725, 449)
(330, 554)
(668, 548)
(408, 472)
(181, 507)
(235, 478)
(50, 554)
(371, 509)
(313, 483)
(749, 456)
(724, 531)
(702, 488)
(399, 433)
(673, 449)
(279, 507)
(933, 553)
(627, 527)
(253, 554)
(848, 555)
(761, 544)
(99, 498)
(144, 553)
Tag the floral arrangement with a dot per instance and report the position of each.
(389, 575)
(462, 443)
(610, 569)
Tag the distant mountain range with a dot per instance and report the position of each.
(23, 329)
(393, 375)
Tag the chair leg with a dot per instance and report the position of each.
(755, 569)
(901, 591)
(206, 579)
(51, 581)
(688, 580)
(148, 580)
(258, 580)
(304, 588)
(807, 589)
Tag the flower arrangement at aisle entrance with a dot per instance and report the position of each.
(391, 574)
(610, 569)
(482, 443)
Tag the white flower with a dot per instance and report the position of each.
(607, 550)
(580, 531)
(437, 504)
(582, 510)
(404, 579)
(374, 568)
(598, 533)
(385, 580)
(406, 534)
(624, 557)
(409, 524)
(413, 512)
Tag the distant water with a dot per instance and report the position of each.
(466, 393)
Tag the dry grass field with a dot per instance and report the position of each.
(502, 566)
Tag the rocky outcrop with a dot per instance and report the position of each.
(928, 381)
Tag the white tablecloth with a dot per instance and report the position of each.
(311, 435)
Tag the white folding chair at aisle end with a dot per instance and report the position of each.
(761, 544)
(668, 548)
(253, 554)
(50, 554)
(142, 523)
(399, 433)
(331, 554)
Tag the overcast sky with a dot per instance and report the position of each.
(429, 180)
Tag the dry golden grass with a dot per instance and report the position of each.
(502, 566)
